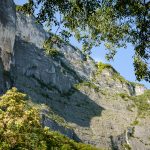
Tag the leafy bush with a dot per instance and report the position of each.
(19, 8)
(20, 127)
(27, 8)
(19, 123)
(48, 46)
(101, 66)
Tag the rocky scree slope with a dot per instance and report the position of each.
(83, 100)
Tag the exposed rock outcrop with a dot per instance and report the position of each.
(98, 108)
(7, 34)
(7, 38)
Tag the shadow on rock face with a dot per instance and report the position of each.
(3, 14)
(80, 109)
(7, 9)
(74, 106)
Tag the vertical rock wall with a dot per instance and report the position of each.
(7, 38)
(7, 31)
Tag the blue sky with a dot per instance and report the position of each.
(123, 62)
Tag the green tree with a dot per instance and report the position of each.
(92, 22)
(20, 127)
(19, 123)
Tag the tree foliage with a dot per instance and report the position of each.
(27, 8)
(92, 22)
(49, 48)
(20, 127)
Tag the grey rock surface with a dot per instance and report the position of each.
(53, 124)
(7, 34)
(7, 38)
(108, 80)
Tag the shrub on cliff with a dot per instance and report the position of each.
(20, 127)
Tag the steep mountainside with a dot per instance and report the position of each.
(83, 100)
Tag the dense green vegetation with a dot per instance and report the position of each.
(20, 127)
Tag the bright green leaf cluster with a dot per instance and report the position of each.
(48, 46)
(26, 8)
(101, 66)
(20, 127)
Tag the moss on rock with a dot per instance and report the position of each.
(88, 84)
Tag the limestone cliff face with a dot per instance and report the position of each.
(96, 108)
(7, 38)
(7, 34)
